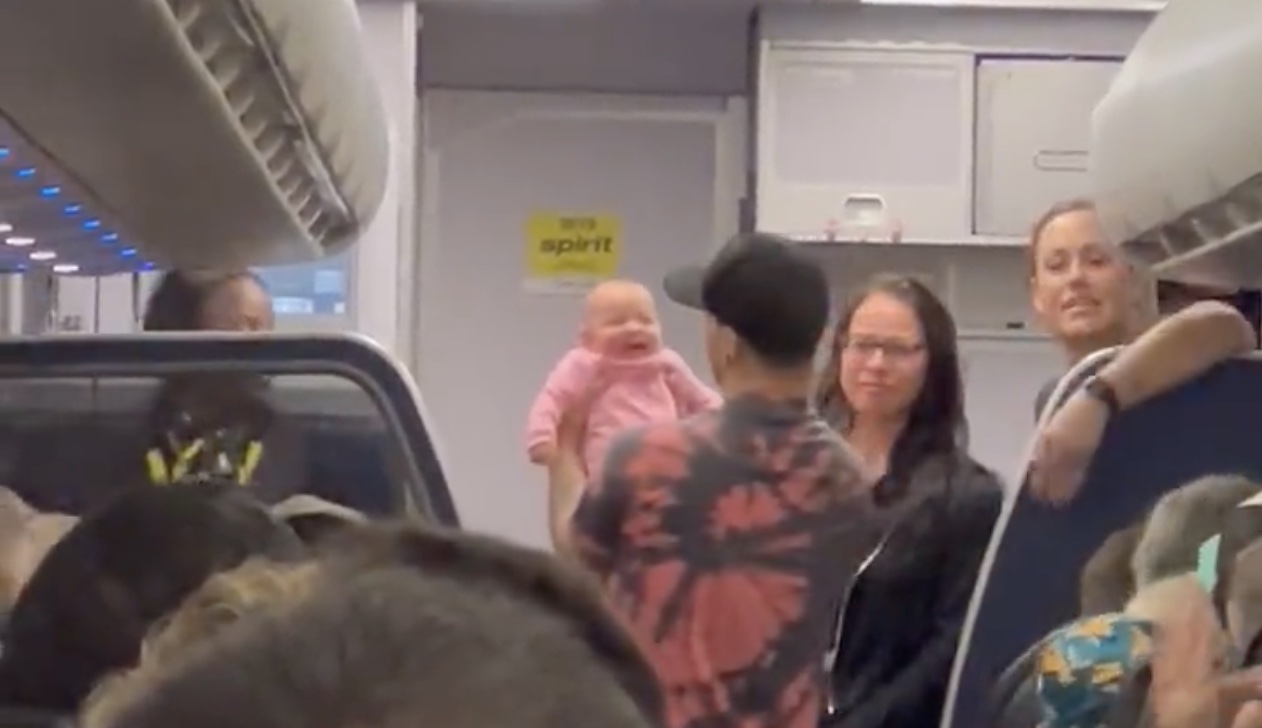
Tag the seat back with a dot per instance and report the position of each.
(1014, 701)
(344, 451)
(1029, 580)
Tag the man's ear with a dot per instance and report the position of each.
(732, 347)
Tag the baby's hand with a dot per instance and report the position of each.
(542, 453)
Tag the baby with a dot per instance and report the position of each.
(620, 353)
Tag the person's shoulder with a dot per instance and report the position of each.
(654, 438)
(817, 434)
(667, 447)
(973, 476)
(969, 484)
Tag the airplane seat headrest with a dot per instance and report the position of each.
(211, 133)
(1176, 154)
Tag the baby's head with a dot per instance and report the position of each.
(620, 320)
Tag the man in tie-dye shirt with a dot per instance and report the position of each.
(726, 540)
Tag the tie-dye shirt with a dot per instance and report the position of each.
(725, 542)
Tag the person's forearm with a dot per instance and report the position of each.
(565, 491)
(560, 527)
(1178, 349)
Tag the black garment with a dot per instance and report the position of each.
(905, 610)
(249, 417)
(87, 608)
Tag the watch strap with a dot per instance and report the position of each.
(1100, 389)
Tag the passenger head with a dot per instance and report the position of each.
(218, 604)
(1080, 669)
(26, 537)
(95, 596)
(1182, 520)
(893, 359)
(526, 575)
(225, 598)
(1107, 581)
(404, 629)
(208, 302)
(1241, 529)
(388, 648)
(766, 306)
(1098, 671)
(620, 320)
(1080, 286)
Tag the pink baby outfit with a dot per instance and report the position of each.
(659, 387)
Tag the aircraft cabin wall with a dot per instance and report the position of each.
(655, 125)
(656, 138)
(957, 126)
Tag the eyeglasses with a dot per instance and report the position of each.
(896, 350)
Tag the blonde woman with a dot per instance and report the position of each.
(1090, 298)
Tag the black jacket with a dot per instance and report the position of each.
(905, 609)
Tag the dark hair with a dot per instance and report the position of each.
(421, 629)
(177, 301)
(94, 597)
(1055, 212)
(936, 423)
(532, 576)
(770, 293)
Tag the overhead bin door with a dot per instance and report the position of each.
(1033, 135)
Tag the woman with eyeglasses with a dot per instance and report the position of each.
(893, 388)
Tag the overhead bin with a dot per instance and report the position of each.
(193, 133)
(1176, 153)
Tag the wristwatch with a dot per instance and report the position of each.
(1099, 389)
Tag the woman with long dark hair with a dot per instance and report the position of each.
(893, 388)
